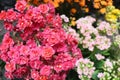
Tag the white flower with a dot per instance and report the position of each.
(65, 18)
(99, 56)
(108, 65)
(119, 69)
(100, 75)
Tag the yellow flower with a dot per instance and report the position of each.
(114, 27)
(111, 17)
(73, 22)
(116, 12)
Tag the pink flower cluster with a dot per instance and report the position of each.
(91, 37)
(36, 46)
(85, 68)
(105, 27)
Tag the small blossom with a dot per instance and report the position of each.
(21, 5)
(43, 8)
(48, 52)
(99, 56)
(10, 67)
(65, 18)
(45, 70)
(100, 75)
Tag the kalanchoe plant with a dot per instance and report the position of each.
(96, 40)
(35, 45)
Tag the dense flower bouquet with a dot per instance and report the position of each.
(42, 45)
(35, 45)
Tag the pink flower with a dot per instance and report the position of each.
(68, 65)
(71, 40)
(58, 67)
(24, 50)
(49, 18)
(48, 52)
(21, 72)
(51, 8)
(3, 15)
(34, 74)
(22, 60)
(61, 62)
(29, 14)
(43, 8)
(40, 49)
(35, 53)
(23, 23)
(100, 75)
(99, 56)
(9, 75)
(35, 64)
(13, 54)
(10, 67)
(4, 57)
(8, 26)
(60, 47)
(49, 36)
(57, 22)
(11, 15)
(45, 70)
(7, 40)
(20, 5)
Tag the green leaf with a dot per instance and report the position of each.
(105, 53)
(94, 76)
(99, 64)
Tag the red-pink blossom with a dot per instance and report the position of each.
(22, 60)
(10, 66)
(43, 8)
(48, 52)
(24, 50)
(35, 64)
(34, 74)
(35, 53)
(21, 5)
(36, 46)
(21, 72)
(3, 15)
(8, 26)
(45, 70)
(9, 75)
(11, 15)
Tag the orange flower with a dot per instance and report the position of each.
(97, 5)
(82, 3)
(102, 10)
(45, 1)
(86, 9)
(69, 1)
(73, 10)
(97, 0)
(104, 3)
(76, 0)
(56, 4)
(110, 3)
